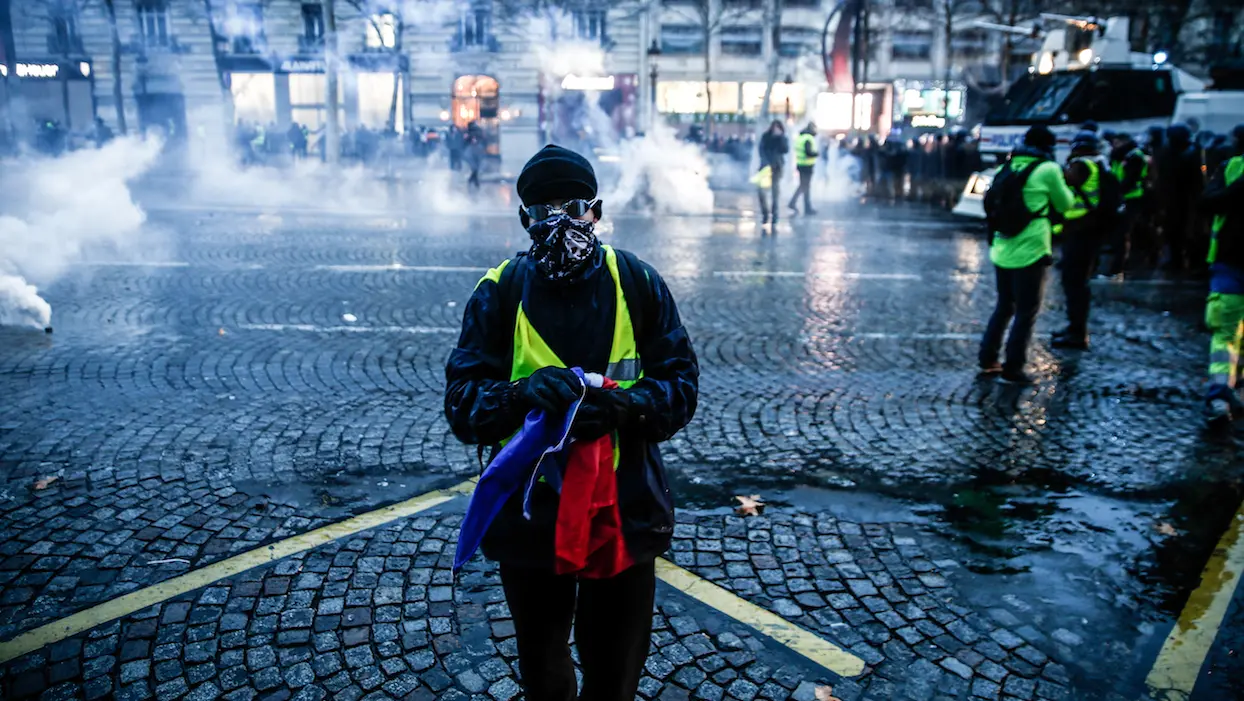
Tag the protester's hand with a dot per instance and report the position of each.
(602, 411)
(551, 389)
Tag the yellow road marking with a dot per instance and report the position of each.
(1179, 663)
(158, 593)
(811, 646)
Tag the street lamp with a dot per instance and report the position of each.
(789, 80)
(653, 52)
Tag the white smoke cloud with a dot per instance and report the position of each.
(58, 210)
(662, 174)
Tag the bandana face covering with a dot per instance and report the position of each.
(561, 246)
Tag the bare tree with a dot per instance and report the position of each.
(712, 16)
(117, 93)
(773, 45)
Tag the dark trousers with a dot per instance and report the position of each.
(1020, 291)
(805, 188)
(1121, 238)
(612, 625)
(1176, 228)
(769, 200)
(1081, 245)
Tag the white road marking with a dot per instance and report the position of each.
(312, 328)
(399, 266)
(805, 274)
(918, 336)
(133, 264)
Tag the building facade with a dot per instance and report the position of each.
(583, 72)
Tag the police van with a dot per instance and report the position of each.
(1085, 71)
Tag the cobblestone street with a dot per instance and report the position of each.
(254, 376)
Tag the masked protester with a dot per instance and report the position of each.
(572, 302)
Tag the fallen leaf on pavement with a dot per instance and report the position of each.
(826, 693)
(750, 506)
(1166, 529)
(45, 482)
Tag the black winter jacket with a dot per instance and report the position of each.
(576, 320)
(1227, 200)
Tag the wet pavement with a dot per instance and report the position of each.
(240, 378)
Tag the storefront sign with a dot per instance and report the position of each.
(589, 83)
(928, 121)
(299, 65)
(37, 70)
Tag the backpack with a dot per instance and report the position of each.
(1005, 210)
(1109, 193)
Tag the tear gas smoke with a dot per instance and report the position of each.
(57, 210)
(656, 173)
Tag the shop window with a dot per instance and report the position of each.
(254, 97)
(153, 22)
(381, 31)
(590, 25)
(912, 46)
(740, 41)
(244, 27)
(682, 39)
(312, 38)
(786, 98)
(689, 97)
(375, 95)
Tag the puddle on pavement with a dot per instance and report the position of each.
(1100, 574)
(345, 494)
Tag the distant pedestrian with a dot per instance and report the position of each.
(1088, 222)
(103, 133)
(1130, 166)
(763, 180)
(584, 555)
(1027, 192)
(1224, 310)
(806, 155)
(772, 150)
(1180, 182)
(455, 143)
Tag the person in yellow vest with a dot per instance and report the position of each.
(571, 301)
(1085, 226)
(1130, 166)
(1030, 195)
(806, 154)
(1224, 310)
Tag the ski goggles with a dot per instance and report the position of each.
(571, 208)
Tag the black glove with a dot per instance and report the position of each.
(602, 411)
(551, 389)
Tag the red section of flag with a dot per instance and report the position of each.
(589, 540)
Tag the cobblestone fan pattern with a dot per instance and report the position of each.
(237, 379)
(380, 616)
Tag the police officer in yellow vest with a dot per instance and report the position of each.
(1130, 166)
(1084, 229)
(1224, 310)
(571, 301)
(806, 154)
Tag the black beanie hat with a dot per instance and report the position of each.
(556, 173)
(1040, 137)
